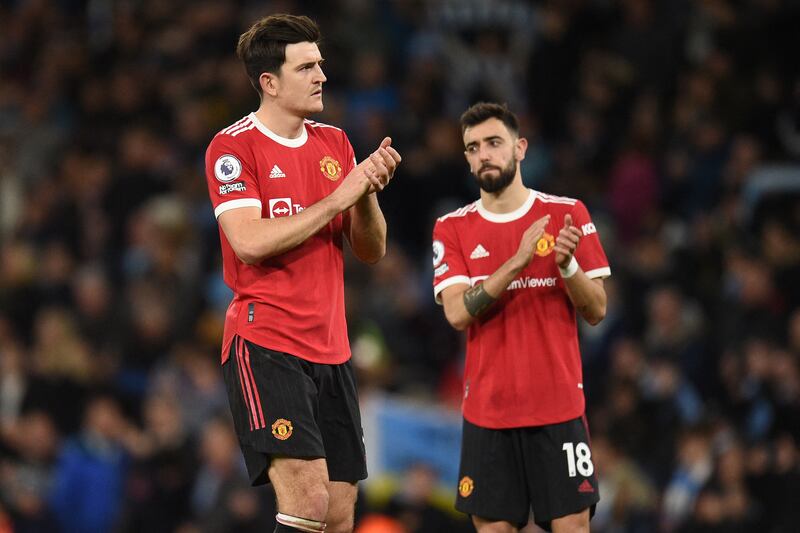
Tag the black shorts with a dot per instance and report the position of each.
(286, 406)
(505, 473)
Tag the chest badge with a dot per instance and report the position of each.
(545, 245)
(330, 168)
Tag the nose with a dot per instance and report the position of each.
(483, 153)
(320, 75)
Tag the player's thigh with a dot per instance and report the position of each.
(574, 523)
(492, 485)
(560, 471)
(301, 486)
(341, 505)
(483, 525)
(339, 422)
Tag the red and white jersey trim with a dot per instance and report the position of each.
(552, 199)
(239, 127)
(599, 273)
(507, 217)
(236, 204)
(315, 124)
(449, 282)
(460, 212)
(236, 125)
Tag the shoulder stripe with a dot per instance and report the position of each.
(460, 212)
(552, 199)
(242, 130)
(235, 125)
(314, 124)
(240, 127)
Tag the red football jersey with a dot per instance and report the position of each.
(293, 302)
(523, 365)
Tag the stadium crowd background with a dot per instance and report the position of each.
(677, 122)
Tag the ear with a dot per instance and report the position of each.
(520, 148)
(269, 83)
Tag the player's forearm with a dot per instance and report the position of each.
(588, 296)
(263, 238)
(367, 230)
(456, 311)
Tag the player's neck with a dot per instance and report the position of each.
(280, 122)
(509, 199)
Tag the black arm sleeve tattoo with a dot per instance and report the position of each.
(477, 300)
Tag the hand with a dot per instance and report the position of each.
(567, 242)
(371, 175)
(384, 162)
(527, 245)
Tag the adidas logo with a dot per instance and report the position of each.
(276, 172)
(585, 486)
(479, 252)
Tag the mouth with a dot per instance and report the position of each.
(487, 168)
(318, 92)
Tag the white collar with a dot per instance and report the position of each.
(285, 141)
(510, 216)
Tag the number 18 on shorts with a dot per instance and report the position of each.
(506, 473)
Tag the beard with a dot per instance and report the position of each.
(503, 180)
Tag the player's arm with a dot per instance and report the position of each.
(463, 305)
(367, 231)
(254, 239)
(587, 295)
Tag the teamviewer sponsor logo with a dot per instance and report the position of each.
(280, 207)
(531, 283)
(283, 207)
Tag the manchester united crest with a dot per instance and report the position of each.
(282, 429)
(545, 244)
(465, 486)
(330, 168)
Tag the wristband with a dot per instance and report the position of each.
(571, 268)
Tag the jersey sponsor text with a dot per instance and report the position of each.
(531, 283)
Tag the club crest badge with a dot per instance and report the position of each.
(282, 429)
(330, 168)
(465, 486)
(545, 245)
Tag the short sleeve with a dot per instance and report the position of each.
(590, 254)
(449, 266)
(230, 175)
(349, 156)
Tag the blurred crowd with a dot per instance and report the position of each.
(676, 121)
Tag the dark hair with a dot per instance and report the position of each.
(483, 111)
(262, 48)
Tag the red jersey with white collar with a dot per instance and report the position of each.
(523, 365)
(293, 302)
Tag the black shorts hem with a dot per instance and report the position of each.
(546, 523)
(283, 405)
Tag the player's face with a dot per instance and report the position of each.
(299, 86)
(493, 154)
